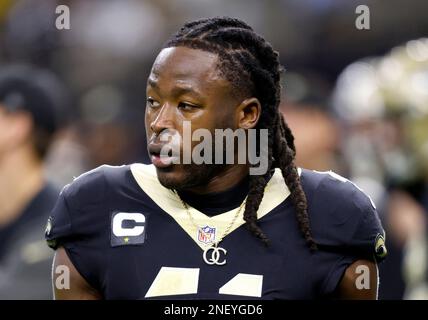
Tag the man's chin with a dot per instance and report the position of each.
(171, 177)
(180, 177)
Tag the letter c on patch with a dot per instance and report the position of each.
(120, 231)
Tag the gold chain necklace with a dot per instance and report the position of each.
(214, 259)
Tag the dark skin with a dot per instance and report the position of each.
(185, 84)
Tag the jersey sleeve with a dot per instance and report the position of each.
(345, 226)
(77, 224)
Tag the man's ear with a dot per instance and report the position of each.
(248, 113)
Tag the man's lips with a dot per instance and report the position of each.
(155, 148)
(158, 160)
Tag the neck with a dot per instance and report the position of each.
(222, 181)
(22, 179)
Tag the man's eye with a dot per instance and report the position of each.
(152, 103)
(187, 106)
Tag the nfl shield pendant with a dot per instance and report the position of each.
(207, 235)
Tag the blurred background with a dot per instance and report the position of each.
(356, 100)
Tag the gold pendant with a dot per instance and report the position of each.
(215, 254)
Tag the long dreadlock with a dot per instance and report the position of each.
(251, 65)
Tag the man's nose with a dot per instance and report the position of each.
(164, 119)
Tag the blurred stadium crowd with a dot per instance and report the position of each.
(71, 100)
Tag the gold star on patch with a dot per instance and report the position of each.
(126, 239)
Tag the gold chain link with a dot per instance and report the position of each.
(226, 232)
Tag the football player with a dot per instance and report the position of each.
(213, 231)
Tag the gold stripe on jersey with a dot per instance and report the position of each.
(275, 193)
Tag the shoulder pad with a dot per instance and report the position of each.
(342, 216)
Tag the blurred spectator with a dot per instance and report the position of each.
(383, 104)
(30, 102)
(315, 129)
(110, 130)
(318, 142)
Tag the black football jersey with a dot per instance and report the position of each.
(132, 238)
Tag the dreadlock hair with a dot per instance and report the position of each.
(252, 66)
